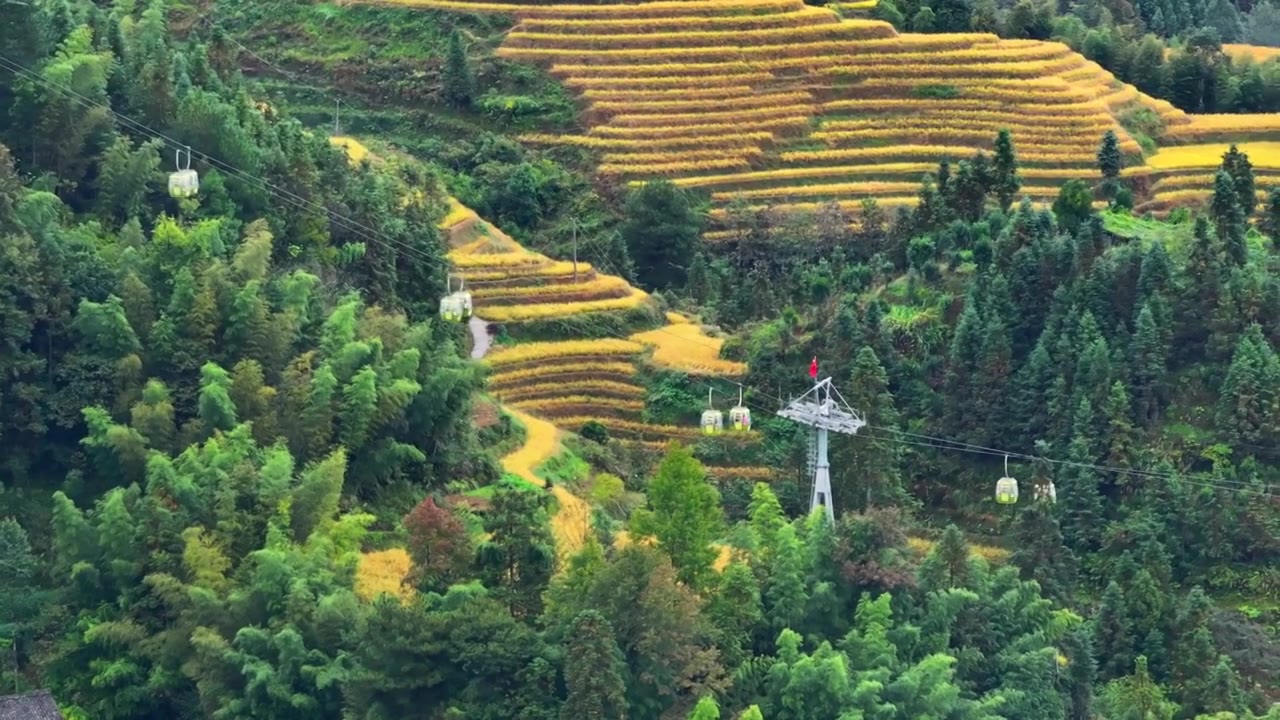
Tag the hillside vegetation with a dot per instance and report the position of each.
(257, 464)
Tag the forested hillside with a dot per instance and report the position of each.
(254, 467)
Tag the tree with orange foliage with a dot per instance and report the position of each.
(439, 545)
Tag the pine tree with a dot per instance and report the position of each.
(1081, 673)
(1201, 284)
(1112, 636)
(1110, 163)
(1031, 388)
(868, 472)
(952, 556)
(1270, 221)
(1040, 552)
(1121, 439)
(1229, 219)
(1220, 690)
(1246, 404)
(1236, 164)
(1005, 170)
(456, 83)
(962, 375)
(517, 561)
(1195, 650)
(593, 671)
(1150, 360)
(1078, 497)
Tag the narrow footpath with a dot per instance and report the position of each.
(572, 520)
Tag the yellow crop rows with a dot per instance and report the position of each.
(1261, 154)
(707, 105)
(743, 473)
(684, 347)
(741, 96)
(693, 129)
(558, 372)
(856, 188)
(678, 93)
(748, 139)
(558, 388)
(526, 352)
(1203, 127)
(577, 404)
(1256, 53)
(678, 23)
(601, 285)
(648, 9)
(672, 168)
(702, 39)
(1205, 180)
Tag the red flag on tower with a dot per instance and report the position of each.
(813, 368)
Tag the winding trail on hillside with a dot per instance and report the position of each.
(572, 520)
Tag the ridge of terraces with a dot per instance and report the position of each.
(792, 106)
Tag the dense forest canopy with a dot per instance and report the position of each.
(232, 420)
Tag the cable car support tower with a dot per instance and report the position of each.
(824, 410)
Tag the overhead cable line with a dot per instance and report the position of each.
(940, 444)
(343, 222)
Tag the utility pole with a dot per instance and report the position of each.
(337, 126)
(575, 250)
(823, 409)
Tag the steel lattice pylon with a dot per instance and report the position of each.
(824, 410)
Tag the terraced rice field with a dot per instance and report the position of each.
(1182, 176)
(683, 346)
(561, 385)
(510, 284)
(793, 106)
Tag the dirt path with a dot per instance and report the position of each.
(572, 520)
(481, 341)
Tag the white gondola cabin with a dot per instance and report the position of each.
(712, 419)
(183, 182)
(456, 306)
(739, 415)
(1006, 487)
(1047, 492)
(1006, 491)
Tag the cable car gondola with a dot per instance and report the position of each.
(739, 415)
(184, 182)
(712, 419)
(1006, 487)
(456, 306)
(1046, 492)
